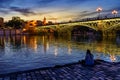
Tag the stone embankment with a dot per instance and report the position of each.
(75, 71)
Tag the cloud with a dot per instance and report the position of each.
(57, 8)
(23, 11)
(88, 14)
(78, 1)
(3, 8)
(3, 3)
(59, 3)
(108, 12)
(116, 8)
(4, 11)
(83, 14)
(45, 3)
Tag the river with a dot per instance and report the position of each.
(18, 53)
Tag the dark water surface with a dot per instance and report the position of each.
(18, 53)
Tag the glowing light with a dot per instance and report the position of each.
(24, 29)
(24, 40)
(56, 51)
(99, 9)
(47, 47)
(114, 12)
(69, 49)
(33, 43)
(113, 58)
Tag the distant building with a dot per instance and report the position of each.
(50, 23)
(30, 24)
(39, 23)
(34, 23)
(1, 22)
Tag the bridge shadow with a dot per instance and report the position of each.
(118, 32)
(82, 30)
(83, 33)
(86, 38)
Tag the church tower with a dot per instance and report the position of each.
(44, 21)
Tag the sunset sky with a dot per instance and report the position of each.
(61, 10)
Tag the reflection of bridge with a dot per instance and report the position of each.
(107, 26)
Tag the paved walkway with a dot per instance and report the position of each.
(101, 71)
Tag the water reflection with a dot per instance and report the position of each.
(83, 38)
(86, 42)
(118, 41)
(113, 57)
(56, 50)
(28, 52)
(69, 48)
(32, 42)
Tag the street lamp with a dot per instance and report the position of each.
(99, 9)
(114, 12)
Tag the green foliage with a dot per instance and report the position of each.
(15, 23)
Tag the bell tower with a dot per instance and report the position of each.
(44, 21)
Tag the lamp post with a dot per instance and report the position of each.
(114, 12)
(99, 9)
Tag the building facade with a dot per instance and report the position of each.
(1, 22)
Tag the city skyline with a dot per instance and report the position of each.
(56, 10)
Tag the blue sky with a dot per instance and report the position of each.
(60, 10)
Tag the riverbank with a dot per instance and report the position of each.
(102, 70)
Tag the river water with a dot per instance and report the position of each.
(18, 53)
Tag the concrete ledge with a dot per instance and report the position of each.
(101, 67)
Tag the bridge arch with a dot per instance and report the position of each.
(82, 25)
(82, 30)
(114, 28)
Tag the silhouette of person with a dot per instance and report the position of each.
(89, 58)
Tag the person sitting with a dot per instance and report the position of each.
(89, 58)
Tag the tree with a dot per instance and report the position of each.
(16, 23)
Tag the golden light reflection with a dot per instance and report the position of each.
(112, 57)
(100, 47)
(44, 43)
(24, 29)
(47, 48)
(69, 49)
(33, 43)
(24, 40)
(56, 51)
(43, 39)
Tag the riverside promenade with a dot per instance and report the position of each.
(75, 71)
